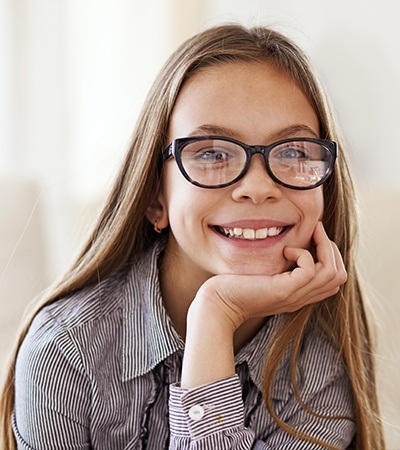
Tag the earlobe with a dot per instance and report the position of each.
(157, 215)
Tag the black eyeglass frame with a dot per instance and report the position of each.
(176, 147)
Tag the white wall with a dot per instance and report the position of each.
(74, 75)
(355, 46)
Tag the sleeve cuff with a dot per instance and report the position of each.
(206, 410)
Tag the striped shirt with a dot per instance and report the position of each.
(101, 369)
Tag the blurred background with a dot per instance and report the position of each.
(73, 77)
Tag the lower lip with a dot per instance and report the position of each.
(256, 243)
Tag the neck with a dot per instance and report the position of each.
(178, 289)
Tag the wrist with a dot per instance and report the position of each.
(209, 349)
(209, 304)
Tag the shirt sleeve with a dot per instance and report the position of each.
(52, 390)
(211, 416)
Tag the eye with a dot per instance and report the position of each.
(292, 152)
(213, 155)
(210, 153)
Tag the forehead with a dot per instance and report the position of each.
(252, 99)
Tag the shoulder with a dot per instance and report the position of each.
(318, 366)
(61, 330)
(321, 368)
(90, 326)
(320, 356)
(91, 303)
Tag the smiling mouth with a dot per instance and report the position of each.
(250, 234)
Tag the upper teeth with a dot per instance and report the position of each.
(249, 233)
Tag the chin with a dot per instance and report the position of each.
(264, 269)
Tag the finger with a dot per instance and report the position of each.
(330, 259)
(341, 268)
(301, 257)
(330, 267)
(329, 274)
(305, 270)
(324, 251)
(330, 284)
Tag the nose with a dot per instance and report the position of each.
(256, 186)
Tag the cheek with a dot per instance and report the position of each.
(315, 213)
(181, 201)
(172, 187)
(179, 195)
(320, 203)
(312, 205)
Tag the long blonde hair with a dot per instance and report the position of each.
(122, 231)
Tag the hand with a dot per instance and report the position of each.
(224, 302)
(315, 278)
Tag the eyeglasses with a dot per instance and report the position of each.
(216, 162)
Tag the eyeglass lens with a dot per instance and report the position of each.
(213, 162)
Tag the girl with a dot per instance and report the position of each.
(210, 308)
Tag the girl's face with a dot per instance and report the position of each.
(256, 104)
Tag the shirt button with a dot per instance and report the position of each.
(196, 413)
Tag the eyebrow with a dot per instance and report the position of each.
(298, 129)
(212, 130)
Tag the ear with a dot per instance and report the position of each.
(157, 213)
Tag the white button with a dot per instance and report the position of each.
(196, 413)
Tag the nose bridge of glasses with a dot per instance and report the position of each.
(263, 152)
(258, 150)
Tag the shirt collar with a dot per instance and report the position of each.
(149, 336)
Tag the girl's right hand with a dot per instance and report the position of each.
(237, 298)
(225, 302)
